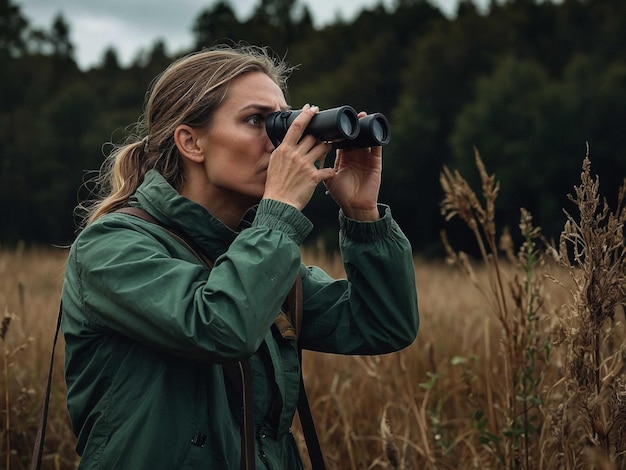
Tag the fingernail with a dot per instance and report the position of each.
(315, 108)
(306, 106)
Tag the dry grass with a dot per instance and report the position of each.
(519, 361)
(30, 286)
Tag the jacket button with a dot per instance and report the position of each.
(199, 439)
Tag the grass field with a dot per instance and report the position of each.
(519, 362)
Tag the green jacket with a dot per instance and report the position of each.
(146, 327)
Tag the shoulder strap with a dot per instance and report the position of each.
(240, 369)
(181, 237)
(295, 311)
(295, 304)
(35, 462)
(240, 372)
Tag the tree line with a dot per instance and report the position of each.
(531, 85)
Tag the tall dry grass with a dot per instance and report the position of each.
(30, 286)
(519, 362)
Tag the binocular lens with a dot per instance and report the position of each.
(373, 132)
(377, 131)
(347, 124)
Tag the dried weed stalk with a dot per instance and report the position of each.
(511, 431)
(11, 408)
(592, 416)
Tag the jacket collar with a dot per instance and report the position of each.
(164, 203)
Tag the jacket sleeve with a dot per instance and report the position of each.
(374, 310)
(127, 277)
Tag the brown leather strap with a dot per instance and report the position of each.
(240, 372)
(295, 304)
(247, 433)
(239, 375)
(308, 429)
(35, 462)
(182, 238)
(295, 311)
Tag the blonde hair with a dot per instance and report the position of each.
(187, 92)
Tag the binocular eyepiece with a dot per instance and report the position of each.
(341, 126)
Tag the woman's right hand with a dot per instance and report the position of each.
(297, 165)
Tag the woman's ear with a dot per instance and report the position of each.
(186, 139)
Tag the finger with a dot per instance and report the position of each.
(326, 175)
(320, 160)
(324, 149)
(308, 143)
(377, 151)
(297, 127)
(337, 162)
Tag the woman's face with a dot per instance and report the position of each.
(235, 145)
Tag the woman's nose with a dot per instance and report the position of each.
(269, 146)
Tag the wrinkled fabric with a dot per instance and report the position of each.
(147, 327)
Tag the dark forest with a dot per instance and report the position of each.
(533, 86)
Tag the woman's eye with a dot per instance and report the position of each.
(255, 120)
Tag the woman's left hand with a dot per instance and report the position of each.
(356, 182)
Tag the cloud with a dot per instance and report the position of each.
(127, 26)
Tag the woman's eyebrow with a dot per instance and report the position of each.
(264, 108)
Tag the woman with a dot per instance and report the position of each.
(148, 326)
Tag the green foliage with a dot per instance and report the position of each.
(12, 28)
(523, 122)
(528, 83)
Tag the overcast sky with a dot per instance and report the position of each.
(134, 25)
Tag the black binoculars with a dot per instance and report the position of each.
(341, 126)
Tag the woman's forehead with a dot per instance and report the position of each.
(256, 87)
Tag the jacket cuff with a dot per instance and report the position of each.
(366, 232)
(284, 217)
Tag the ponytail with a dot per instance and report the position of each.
(119, 177)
